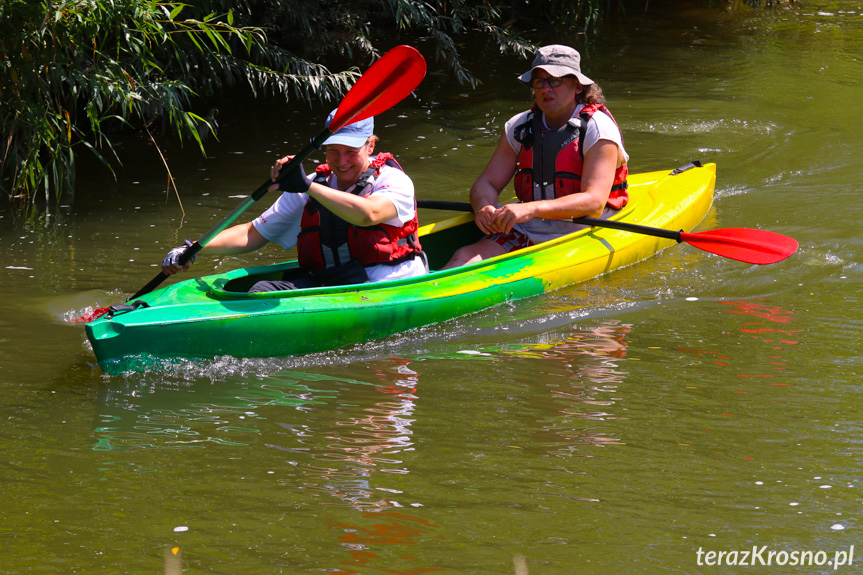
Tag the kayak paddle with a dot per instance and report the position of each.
(741, 244)
(386, 83)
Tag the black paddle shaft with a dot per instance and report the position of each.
(635, 228)
(594, 222)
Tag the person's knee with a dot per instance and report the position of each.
(462, 256)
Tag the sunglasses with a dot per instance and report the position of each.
(537, 83)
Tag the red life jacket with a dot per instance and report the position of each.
(558, 156)
(327, 241)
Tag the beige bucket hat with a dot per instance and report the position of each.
(559, 61)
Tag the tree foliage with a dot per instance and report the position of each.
(73, 71)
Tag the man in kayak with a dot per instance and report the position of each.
(354, 221)
(567, 157)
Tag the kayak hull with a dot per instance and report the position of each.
(214, 316)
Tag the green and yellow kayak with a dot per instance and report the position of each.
(215, 316)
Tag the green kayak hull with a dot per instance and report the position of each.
(215, 316)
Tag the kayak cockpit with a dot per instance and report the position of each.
(439, 240)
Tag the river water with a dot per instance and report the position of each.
(642, 422)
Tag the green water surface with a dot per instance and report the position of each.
(633, 424)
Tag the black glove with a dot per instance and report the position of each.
(173, 256)
(295, 181)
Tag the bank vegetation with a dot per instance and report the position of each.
(76, 73)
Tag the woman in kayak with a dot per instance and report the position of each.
(567, 157)
(354, 221)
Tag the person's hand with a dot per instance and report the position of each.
(485, 219)
(294, 182)
(508, 215)
(277, 167)
(171, 263)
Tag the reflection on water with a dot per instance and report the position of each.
(171, 413)
(376, 530)
(350, 454)
(346, 445)
(773, 326)
(357, 445)
(336, 436)
(341, 457)
(586, 386)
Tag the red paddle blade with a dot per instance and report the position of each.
(743, 244)
(92, 315)
(395, 75)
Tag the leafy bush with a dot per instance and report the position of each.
(73, 71)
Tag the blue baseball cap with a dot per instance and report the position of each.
(354, 135)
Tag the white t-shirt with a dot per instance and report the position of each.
(281, 222)
(600, 127)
